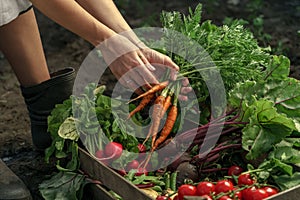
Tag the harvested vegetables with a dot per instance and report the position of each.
(259, 129)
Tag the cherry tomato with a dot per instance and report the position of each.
(237, 195)
(162, 198)
(186, 190)
(223, 186)
(225, 198)
(235, 170)
(246, 193)
(245, 179)
(176, 197)
(270, 190)
(205, 187)
(254, 194)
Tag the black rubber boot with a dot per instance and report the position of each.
(42, 98)
(11, 186)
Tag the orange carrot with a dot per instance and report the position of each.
(145, 101)
(154, 89)
(170, 121)
(156, 117)
(166, 105)
(172, 115)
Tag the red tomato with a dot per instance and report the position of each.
(162, 198)
(237, 195)
(245, 179)
(205, 187)
(246, 193)
(225, 198)
(270, 190)
(254, 194)
(235, 170)
(223, 186)
(186, 190)
(176, 197)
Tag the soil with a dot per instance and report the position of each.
(63, 48)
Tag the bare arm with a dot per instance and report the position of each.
(107, 12)
(69, 14)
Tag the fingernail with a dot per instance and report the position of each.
(150, 67)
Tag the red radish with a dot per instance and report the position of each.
(100, 155)
(113, 150)
(140, 171)
(142, 148)
(122, 172)
(132, 165)
(235, 170)
(163, 198)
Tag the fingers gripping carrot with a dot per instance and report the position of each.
(154, 89)
(145, 101)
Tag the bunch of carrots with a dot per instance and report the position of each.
(165, 98)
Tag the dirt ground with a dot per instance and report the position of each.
(62, 48)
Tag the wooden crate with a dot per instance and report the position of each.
(113, 181)
(110, 179)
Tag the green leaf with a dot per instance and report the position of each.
(63, 186)
(279, 68)
(276, 166)
(266, 128)
(285, 181)
(67, 129)
(286, 154)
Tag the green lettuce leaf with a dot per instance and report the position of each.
(64, 186)
(266, 127)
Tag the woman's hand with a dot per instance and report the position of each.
(162, 63)
(138, 66)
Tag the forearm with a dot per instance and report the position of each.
(106, 12)
(69, 14)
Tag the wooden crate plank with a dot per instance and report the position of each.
(110, 178)
(96, 192)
